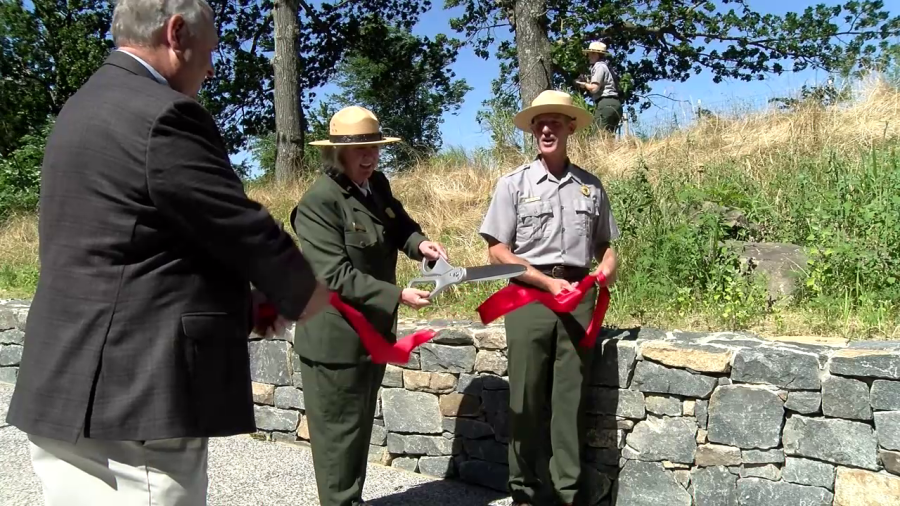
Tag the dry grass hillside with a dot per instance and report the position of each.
(449, 195)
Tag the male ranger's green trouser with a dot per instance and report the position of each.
(547, 368)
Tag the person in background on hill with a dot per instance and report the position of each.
(136, 341)
(554, 217)
(603, 87)
(351, 228)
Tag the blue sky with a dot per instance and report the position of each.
(463, 130)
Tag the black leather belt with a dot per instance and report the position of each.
(567, 272)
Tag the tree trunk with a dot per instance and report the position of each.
(288, 134)
(532, 48)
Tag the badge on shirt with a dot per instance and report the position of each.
(585, 190)
(390, 213)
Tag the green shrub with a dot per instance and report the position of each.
(20, 175)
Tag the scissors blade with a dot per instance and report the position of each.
(493, 272)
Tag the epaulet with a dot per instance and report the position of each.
(515, 171)
(584, 173)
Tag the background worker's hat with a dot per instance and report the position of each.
(596, 47)
(552, 101)
(354, 126)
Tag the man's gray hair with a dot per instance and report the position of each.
(137, 22)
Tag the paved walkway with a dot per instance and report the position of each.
(244, 471)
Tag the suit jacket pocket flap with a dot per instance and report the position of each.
(210, 326)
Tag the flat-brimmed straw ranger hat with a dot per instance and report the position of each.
(354, 126)
(596, 47)
(549, 102)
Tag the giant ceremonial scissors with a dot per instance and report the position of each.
(444, 275)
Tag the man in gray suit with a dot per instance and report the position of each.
(136, 342)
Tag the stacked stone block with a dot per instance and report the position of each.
(12, 336)
(674, 418)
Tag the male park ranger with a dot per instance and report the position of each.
(604, 88)
(554, 217)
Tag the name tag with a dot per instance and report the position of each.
(525, 200)
(358, 228)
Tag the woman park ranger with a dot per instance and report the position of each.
(351, 228)
(603, 87)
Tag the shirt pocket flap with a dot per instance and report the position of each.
(585, 206)
(534, 209)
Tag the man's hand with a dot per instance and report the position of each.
(432, 250)
(414, 298)
(609, 273)
(278, 328)
(556, 286)
(608, 264)
(317, 302)
(267, 323)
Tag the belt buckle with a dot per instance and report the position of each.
(558, 271)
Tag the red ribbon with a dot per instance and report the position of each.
(502, 302)
(381, 351)
(512, 297)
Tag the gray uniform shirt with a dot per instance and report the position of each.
(607, 79)
(550, 221)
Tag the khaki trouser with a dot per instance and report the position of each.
(547, 369)
(92, 472)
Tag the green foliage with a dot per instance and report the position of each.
(844, 210)
(674, 40)
(263, 147)
(406, 81)
(46, 53)
(822, 95)
(18, 281)
(20, 175)
(674, 261)
(241, 94)
(852, 231)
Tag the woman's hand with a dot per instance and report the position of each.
(414, 298)
(432, 250)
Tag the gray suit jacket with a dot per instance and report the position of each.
(148, 247)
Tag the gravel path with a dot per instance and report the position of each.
(244, 471)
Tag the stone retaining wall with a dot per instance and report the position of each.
(675, 418)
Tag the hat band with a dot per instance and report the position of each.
(351, 139)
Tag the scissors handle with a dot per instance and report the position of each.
(441, 273)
